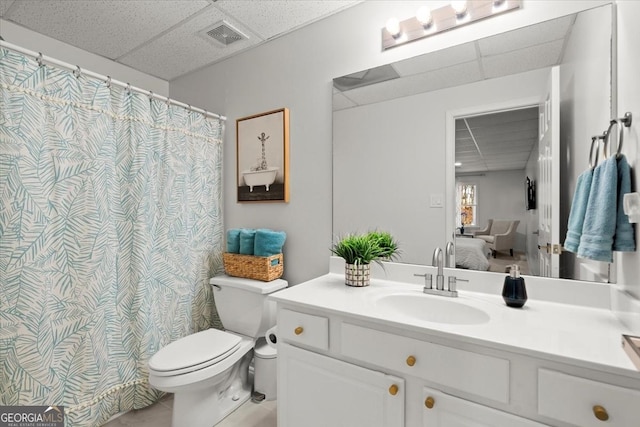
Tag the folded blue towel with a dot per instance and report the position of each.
(247, 240)
(269, 242)
(233, 240)
(599, 225)
(578, 211)
(624, 239)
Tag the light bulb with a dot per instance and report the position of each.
(459, 7)
(423, 15)
(393, 26)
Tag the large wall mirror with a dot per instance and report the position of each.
(399, 131)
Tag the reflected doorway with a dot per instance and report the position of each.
(496, 154)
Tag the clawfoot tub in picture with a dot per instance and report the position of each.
(263, 177)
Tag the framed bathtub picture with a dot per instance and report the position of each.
(262, 168)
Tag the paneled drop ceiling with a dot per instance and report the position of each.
(164, 38)
(495, 142)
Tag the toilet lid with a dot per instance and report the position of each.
(196, 351)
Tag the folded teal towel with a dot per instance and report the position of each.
(578, 211)
(247, 239)
(599, 225)
(269, 242)
(624, 239)
(233, 240)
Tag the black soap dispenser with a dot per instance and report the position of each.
(514, 292)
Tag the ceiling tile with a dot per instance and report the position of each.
(531, 58)
(418, 83)
(439, 59)
(268, 18)
(4, 6)
(526, 37)
(108, 28)
(187, 49)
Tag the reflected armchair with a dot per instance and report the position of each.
(483, 231)
(502, 236)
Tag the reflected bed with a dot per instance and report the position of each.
(472, 254)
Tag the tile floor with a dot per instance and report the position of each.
(159, 415)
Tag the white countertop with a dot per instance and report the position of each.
(582, 336)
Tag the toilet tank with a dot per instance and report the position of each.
(243, 306)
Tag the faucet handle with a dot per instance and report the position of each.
(453, 281)
(428, 279)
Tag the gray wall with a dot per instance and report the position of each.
(501, 195)
(295, 71)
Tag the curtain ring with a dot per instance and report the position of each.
(77, 72)
(108, 82)
(39, 59)
(128, 89)
(150, 96)
(168, 102)
(607, 138)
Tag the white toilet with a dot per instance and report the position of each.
(208, 372)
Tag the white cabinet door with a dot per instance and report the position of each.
(449, 411)
(318, 391)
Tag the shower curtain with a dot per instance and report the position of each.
(110, 228)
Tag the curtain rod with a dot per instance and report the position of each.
(37, 56)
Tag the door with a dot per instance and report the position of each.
(318, 391)
(443, 410)
(549, 178)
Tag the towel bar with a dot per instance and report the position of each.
(626, 121)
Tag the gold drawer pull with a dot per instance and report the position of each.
(298, 330)
(393, 390)
(429, 402)
(411, 360)
(600, 413)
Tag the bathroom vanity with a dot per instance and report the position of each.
(390, 355)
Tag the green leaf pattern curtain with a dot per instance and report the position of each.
(110, 228)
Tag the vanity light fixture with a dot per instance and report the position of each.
(460, 8)
(423, 15)
(393, 28)
(429, 22)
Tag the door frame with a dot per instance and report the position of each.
(450, 139)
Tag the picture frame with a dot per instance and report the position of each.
(262, 157)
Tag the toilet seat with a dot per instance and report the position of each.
(194, 352)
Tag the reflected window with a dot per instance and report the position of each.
(467, 202)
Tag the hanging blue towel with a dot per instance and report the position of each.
(269, 242)
(624, 239)
(578, 211)
(233, 240)
(599, 225)
(247, 240)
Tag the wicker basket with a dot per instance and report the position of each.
(254, 267)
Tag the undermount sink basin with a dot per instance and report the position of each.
(431, 308)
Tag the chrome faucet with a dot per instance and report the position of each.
(448, 255)
(438, 262)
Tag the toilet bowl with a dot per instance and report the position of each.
(208, 371)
